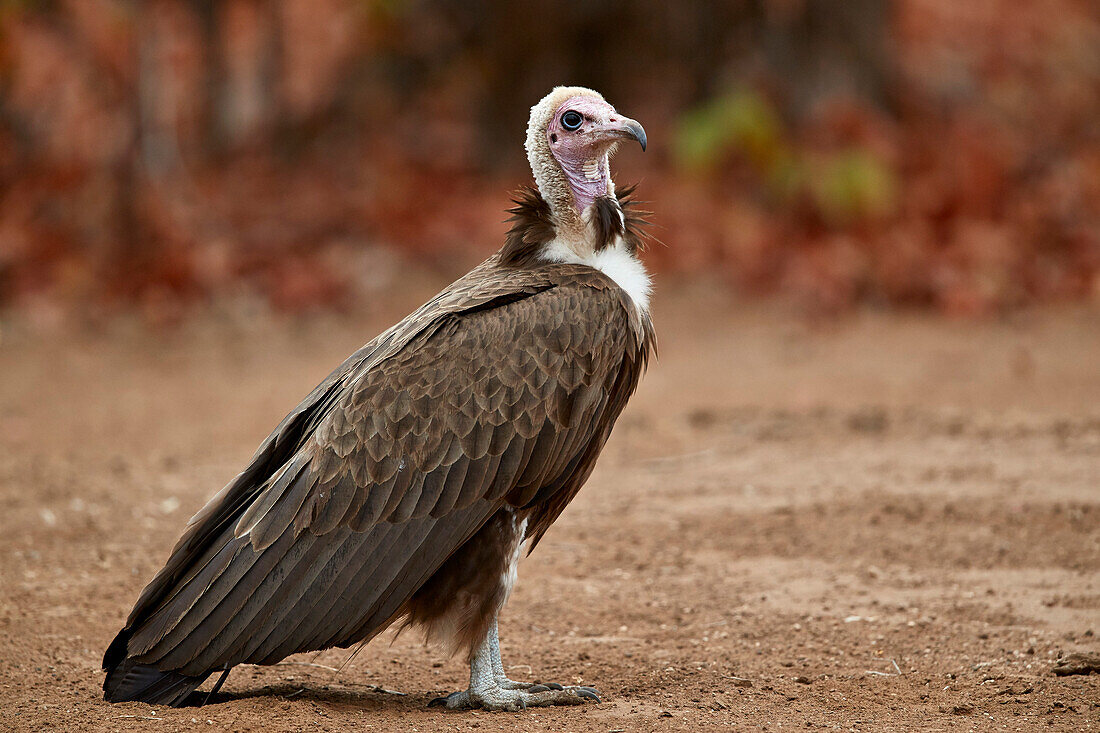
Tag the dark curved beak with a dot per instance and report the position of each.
(636, 131)
(624, 128)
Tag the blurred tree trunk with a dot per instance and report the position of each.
(271, 63)
(213, 114)
(824, 48)
(156, 142)
(243, 105)
(140, 160)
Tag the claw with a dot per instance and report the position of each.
(588, 693)
(539, 688)
(455, 700)
(554, 686)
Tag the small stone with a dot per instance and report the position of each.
(1077, 663)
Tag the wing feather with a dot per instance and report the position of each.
(312, 608)
(279, 505)
(308, 572)
(226, 607)
(338, 496)
(389, 600)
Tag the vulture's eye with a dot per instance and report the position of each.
(571, 120)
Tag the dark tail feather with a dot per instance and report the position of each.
(143, 683)
(127, 680)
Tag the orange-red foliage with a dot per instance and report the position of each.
(153, 156)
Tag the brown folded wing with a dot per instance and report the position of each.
(498, 392)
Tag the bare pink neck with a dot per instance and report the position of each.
(588, 180)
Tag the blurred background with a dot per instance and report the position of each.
(300, 155)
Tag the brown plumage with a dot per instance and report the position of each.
(403, 485)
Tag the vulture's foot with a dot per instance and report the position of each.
(494, 696)
(491, 689)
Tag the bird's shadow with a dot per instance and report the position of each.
(368, 698)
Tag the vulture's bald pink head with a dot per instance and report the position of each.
(571, 136)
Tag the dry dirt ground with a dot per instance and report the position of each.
(880, 523)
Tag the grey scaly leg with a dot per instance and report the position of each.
(491, 689)
(498, 666)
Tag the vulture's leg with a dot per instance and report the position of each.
(492, 690)
(498, 667)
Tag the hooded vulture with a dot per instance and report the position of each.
(402, 488)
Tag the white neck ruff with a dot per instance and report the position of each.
(615, 261)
